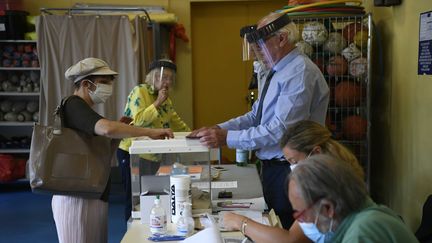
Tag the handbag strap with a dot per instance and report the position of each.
(59, 116)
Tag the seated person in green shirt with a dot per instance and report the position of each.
(149, 106)
(332, 204)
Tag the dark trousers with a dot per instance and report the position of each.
(124, 161)
(275, 188)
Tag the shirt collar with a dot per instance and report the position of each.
(286, 59)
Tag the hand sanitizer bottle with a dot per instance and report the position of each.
(158, 219)
(185, 224)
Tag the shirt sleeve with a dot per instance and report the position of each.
(241, 122)
(78, 115)
(140, 108)
(292, 105)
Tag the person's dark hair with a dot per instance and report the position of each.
(323, 176)
(304, 135)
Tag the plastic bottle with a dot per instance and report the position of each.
(185, 224)
(158, 219)
(180, 192)
(242, 157)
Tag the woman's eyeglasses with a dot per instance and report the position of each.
(298, 215)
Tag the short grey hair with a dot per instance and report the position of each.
(291, 31)
(325, 177)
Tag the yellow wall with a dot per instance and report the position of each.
(401, 131)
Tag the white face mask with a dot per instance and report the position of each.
(314, 234)
(292, 166)
(101, 94)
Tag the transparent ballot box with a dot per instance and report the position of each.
(154, 162)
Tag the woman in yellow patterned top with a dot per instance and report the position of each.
(149, 106)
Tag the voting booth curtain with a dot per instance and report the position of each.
(64, 40)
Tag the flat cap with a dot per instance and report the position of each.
(87, 67)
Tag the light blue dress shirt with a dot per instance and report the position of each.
(297, 91)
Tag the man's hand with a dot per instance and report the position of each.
(161, 133)
(162, 96)
(213, 137)
(195, 132)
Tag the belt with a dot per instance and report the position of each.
(277, 161)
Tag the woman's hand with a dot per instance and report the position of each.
(161, 133)
(162, 96)
(232, 221)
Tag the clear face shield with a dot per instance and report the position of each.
(260, 41)
(162, 75)
(246, 48)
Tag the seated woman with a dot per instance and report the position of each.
(300, 141)
(332, 205)
(149, 105)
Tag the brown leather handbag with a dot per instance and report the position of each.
(64, 161)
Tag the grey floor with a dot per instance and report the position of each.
(27, 217)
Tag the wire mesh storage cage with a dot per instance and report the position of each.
(341, 48)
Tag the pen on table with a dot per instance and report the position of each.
(166, 238)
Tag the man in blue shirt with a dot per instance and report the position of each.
(295, 90)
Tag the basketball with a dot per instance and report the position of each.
(347, 94)
(337, 66)
(354, 127)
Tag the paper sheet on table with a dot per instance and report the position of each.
(208, 235)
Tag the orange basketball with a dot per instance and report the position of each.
(354, 127)
(348, 93)
(337, 66)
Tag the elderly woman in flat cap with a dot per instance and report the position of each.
(149, 105)
(80, 219)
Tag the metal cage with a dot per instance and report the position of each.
(341, 48)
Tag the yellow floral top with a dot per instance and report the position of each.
(140, 107)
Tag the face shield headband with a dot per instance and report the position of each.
(246, 49)
(258, 39)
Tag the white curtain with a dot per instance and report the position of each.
(64, 40)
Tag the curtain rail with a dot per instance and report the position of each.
(71, 11)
